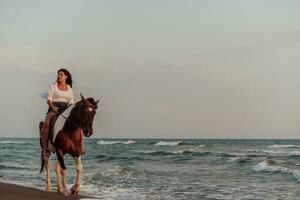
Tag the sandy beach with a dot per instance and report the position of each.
(16, 192)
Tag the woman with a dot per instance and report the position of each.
(60, 97)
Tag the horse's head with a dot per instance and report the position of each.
(85, 113)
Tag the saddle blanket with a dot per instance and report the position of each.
(58, 125)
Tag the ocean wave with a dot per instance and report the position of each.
(296, 174)
(102, 142)
(232, 160)
(115, 171)
(244, 155)
(182, 152)
(155, 153)
(110, 192)
(267, 151)
(11, 142)
(233, 154)
(162, 143)
(238, 160)
(177, 152)
(276, 152)
(268, 166)
(294, 153)
(14, 167)
(284, 146)
(112, 158)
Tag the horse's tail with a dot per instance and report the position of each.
(41, 124)
(42, 163)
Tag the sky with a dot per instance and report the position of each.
(201, 69)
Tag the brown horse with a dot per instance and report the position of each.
(68, 132)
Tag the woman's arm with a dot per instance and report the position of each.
(50, 97)
(53, 107)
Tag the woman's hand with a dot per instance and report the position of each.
(54, 108)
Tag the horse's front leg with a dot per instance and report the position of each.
(79, 167)
(48, 178)
(58, 178)
(60, 157)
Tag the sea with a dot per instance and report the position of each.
(122, 169)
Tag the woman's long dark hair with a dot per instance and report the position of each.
(69, 80)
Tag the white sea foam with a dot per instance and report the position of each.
(296, 174)
(272, 151)
(162, 143)
(180, 152)
(202, 145)
(111, 192)
(277, 152)
(232, 160)
(148, 151)
(11, 142)
(268, 151)
(240, 158)
(283, 146)
(102, 142)
(116, 171)
(267, 166)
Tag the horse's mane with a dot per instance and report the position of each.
(92, 101)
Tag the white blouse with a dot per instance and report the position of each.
(56, 95)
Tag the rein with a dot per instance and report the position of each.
(67, 119)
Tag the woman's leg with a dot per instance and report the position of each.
(45, 133)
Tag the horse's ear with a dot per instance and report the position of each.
(82, 97)
(97, 103)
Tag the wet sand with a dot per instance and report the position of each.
(16, 192)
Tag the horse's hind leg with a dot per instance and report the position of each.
(58, 178)
(48, 178)
(75, 188)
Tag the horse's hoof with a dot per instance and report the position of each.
(48, 189)
(66, 193)
(60, 190)
(73, 190)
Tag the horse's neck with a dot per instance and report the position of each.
(69, 125)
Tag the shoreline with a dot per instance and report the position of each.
(15, 192)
